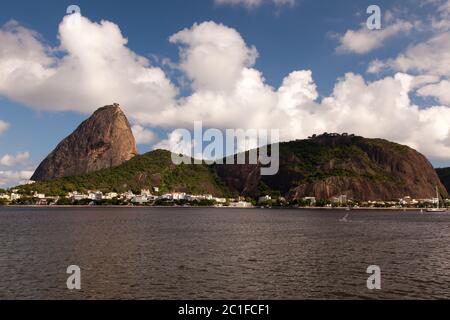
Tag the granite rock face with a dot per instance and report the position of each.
(332, 165)
(103, 141)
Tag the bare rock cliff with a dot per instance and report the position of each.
(103, 141)
(332, 165)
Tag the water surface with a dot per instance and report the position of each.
(192, 253)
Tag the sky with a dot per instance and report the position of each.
(301, 66)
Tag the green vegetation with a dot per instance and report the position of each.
(444, 175)
(154, 169)
(26, 201)
(312, 161)
(302, 162)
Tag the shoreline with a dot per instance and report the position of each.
(211, 207)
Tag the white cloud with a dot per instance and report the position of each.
(383, 109)
(213, 55)
(11, 160)
(430, 57)
(255, 3)
(3, 126)
(13, 178)
(296, 90)
(143, 135)
(440, 90)
(444, 9)
(92, 67)
(247, 3)
(228, 91)
(176, 144)
(364, 40)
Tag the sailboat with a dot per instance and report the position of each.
(345, 219)
(437, 209)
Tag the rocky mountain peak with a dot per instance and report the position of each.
(103, 141)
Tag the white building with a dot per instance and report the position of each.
(167, 196)
(311, 200)
(39, 195)
(264, 199)
(4, 196)
(140, 199)
(241, 204)
(178, 196)
(15, 196)
(99, 196)
(128, 195)
(76, 196)
(343, 199)
(111, 195)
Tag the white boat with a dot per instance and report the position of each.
(438, 208)
(345, 219)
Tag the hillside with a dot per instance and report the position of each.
(323, 166)
(444, 175)
(332, 165)
(154, 169)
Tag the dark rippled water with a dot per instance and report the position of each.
(169, 253)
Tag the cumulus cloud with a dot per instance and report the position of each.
(92, 67)
(3, 126)
(12, 160)
(430, 57)
(364, 40)
(213, 55)
(255, 3)
(14, 178)
(143, 135)
(383, 108)
(176, 143)
(440, 90)
(227, 90)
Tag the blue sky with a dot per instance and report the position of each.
(288, 37)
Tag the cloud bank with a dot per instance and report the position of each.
(256, 3)
(8, 178)
(142, 135)
(11, 160)
(363, 40)
(93, 67)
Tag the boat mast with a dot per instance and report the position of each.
(437, 196)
